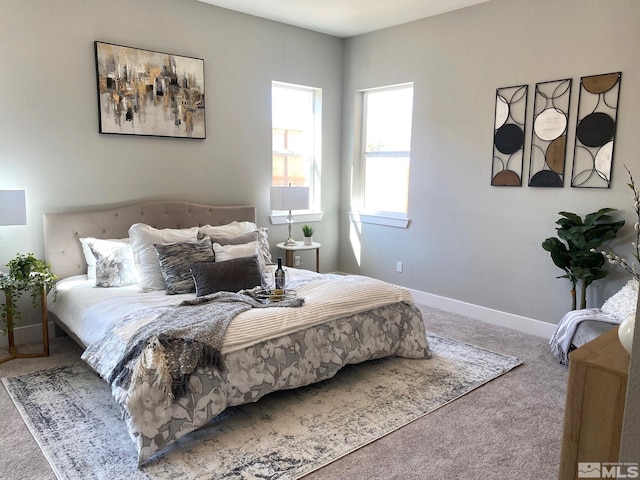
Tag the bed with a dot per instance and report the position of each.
(176, 358)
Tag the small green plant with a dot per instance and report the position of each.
(575, 249)
(307, 231)
(26, 274)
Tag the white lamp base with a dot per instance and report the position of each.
(290, 241)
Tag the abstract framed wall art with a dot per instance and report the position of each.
(596, 130)
(549, 135)
(508, 136)
(142, 92)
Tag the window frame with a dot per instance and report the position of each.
(358, 212)
(314, 213)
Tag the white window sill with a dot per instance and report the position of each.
(281, 218)
(398, 222)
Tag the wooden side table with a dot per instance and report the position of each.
(13, 350)
(595, 401)
(299, 247)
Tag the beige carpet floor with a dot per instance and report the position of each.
(509, 428)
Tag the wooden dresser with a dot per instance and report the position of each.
(595, 403)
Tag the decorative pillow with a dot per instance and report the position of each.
(228, 252)
(622, 304)
(175, 261)
(228, 230)
(223, 239)
(260, 235)
(263, 241)
(229, 276)
(114, 265)
(143, 238)
(100, 243)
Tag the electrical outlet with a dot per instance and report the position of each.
(296, 261)
(399, 267)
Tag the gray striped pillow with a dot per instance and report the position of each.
(176, 260)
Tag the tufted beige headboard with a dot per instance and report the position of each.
(62, 230)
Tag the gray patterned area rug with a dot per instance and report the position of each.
(285, 435)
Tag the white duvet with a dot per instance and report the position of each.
(90, 311)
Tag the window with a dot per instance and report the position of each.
(386, 151)
(296, 116)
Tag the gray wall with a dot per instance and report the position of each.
(467, 240)
(49, 122)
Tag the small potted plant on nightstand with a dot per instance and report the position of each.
(307, 231)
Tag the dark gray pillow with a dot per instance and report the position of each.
(229, 276)
(176, 259)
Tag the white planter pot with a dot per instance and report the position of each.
(308, 240)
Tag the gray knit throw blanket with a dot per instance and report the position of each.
(191, 335)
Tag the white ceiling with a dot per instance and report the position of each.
(343, 18)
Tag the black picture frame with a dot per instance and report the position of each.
(508, 136)
(549, 133)
(149, 93)
(596, 130)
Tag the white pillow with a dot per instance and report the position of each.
(143, 237)
(99, 244)
(229, 252)
(622, 304)
(238, 229)
(261, 235)
(230, 229)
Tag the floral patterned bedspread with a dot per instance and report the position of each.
(289, 361)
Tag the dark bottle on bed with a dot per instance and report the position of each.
(279, 278)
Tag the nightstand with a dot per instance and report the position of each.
(13, 350)
(299, 247)
(594, 407)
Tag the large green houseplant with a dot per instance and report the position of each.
(575, 249)
(26, 274)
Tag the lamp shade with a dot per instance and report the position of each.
(13, 207)
(289, 198)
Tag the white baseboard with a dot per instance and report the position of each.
(27, 334)
(496, 317)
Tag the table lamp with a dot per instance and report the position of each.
(289, 198)
(13, 207)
